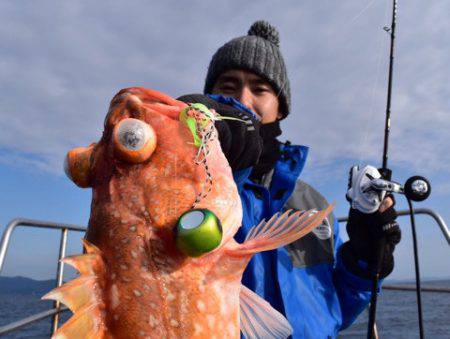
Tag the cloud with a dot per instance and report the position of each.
(61, 63)
(341, 105)
(64, 61)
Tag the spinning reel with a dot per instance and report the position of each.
(367, 188)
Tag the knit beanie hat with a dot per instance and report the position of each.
(259, 53)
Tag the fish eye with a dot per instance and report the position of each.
(133, 134)
(198, 231)
(134, 140)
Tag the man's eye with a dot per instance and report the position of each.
(261, 89)
(227, 87)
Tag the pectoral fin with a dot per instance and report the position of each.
(259, 320)
(280, 230)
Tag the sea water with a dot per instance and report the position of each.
(396, 315)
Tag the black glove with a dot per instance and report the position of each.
(366, 232)
(240, 141)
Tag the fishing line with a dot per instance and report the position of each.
(375, 85)
(417, 268)
(362, 11)
(202, 155)
(200, 121)
(351, 22)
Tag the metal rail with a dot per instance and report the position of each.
(59, 275)
(31, 319)
(30, 223)
(413, 288)
(6, 238)
(62, 249)
(442, 225)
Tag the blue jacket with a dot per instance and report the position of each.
(318, 297)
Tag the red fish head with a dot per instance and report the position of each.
(146, 170)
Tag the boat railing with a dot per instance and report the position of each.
(428, 211)
(4, 245)
(65, 228)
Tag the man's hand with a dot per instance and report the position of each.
(240, 141)
(365, 231)
(385, 204)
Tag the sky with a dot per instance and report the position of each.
(62, 62)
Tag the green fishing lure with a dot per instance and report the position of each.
(198, 231)
(195, 125)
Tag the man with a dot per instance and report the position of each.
(318, 283)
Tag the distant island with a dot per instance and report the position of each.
(22, 285)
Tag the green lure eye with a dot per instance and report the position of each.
(198, 232)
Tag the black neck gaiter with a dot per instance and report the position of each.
(271, 149)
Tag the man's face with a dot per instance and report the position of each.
(251, 90)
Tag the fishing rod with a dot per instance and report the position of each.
(368, 187)
(386, 173)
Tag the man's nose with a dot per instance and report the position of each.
(245, 97)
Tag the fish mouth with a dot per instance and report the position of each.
(77, 165)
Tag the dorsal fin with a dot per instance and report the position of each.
(87, 323)
(86, 264)
(75, 294)
(259, 320)
(82, 296)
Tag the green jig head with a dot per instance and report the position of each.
(198, 231)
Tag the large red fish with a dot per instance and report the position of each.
(161, 261)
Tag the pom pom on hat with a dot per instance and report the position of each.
(266, 31)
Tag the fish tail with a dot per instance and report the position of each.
(82, 296)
